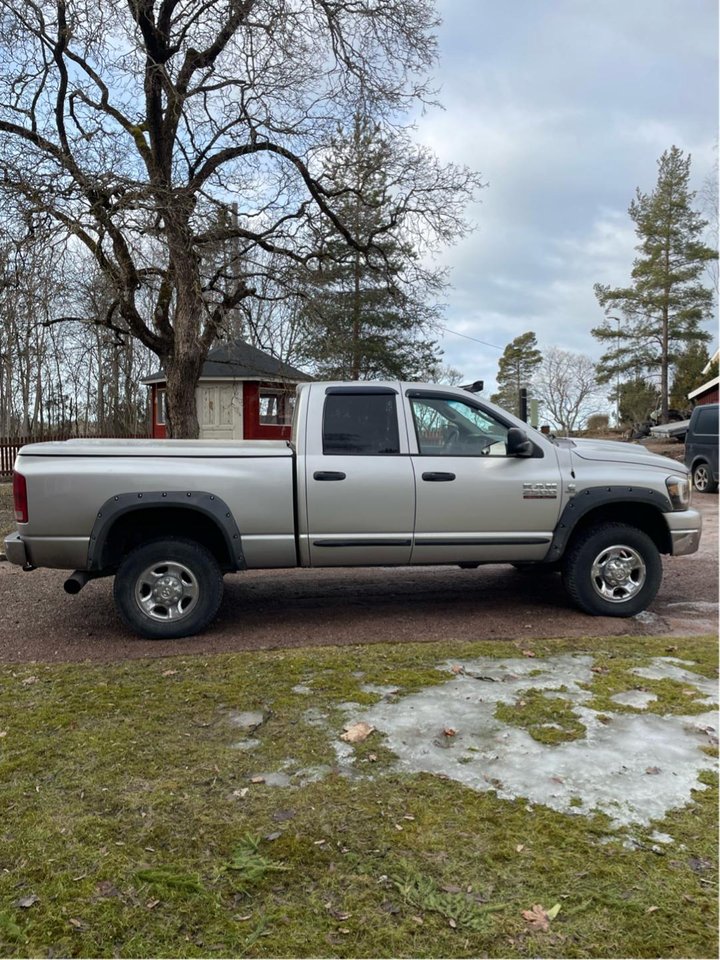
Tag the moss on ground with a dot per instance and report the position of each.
(132, 827)
(546, 719)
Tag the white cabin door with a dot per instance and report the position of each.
(220, 412)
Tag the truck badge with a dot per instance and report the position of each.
(540, 491)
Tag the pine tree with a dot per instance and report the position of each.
(688, 374)
(363, 319)
(515, 370)
(663, 308)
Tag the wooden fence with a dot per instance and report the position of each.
(9, 447)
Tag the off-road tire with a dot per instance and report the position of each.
(191, 566)
(592, 545)
(702, 478)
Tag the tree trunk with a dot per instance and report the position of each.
(181, 409)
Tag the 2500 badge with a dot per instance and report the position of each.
(540, 491)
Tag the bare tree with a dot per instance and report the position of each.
(133, 124)
(566, 387)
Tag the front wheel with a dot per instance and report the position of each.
(168, 588)
(612, 570)
(702, 478)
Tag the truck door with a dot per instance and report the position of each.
(359, 486)
(473, 501)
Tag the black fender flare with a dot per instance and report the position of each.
(592, 497)
(197, 501)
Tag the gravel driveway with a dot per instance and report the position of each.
(293, 608)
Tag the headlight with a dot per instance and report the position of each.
(678, 489)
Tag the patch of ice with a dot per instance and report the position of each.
(634, 698)
(635, 767)
(315, 717)
(245, 745)
(301, 688)
(658, 837)
(273, 779)
(248, 719)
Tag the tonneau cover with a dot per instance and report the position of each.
(158, 448)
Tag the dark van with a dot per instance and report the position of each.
(701, 447)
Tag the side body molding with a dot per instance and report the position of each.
(206, 504)
(593, 497)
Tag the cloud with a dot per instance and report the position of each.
(565, 108)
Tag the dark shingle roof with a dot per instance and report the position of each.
(239, 360)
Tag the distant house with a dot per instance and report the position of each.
(707, 392)
(242, 394)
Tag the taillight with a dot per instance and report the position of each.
(20, 497)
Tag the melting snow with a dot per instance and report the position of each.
(634, 767)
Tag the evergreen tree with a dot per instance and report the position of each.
(666, 302)
(637, 399)
(368, 317)
(688, 374)
(515, 370)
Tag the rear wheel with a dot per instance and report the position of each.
(168, 588)
(612, 570)
(702, 478)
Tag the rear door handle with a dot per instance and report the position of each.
(438, 476)
(328, 475)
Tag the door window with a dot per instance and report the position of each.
(360, 424)
(451, 427)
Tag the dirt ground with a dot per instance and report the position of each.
(292, 608)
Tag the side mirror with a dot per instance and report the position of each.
(517, 443)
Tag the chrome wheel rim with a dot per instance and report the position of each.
(701, 478)
(618, 573)
(167, 591)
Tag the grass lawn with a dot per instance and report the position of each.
(140, 818)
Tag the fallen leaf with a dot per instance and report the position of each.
(689, 693)
(418, 920)
(240, 793)
(28, 680)
(257, 779)
(408, 817)
(27, 902)
(519, 848)
(452, 923)
(527, 653)
(372, 757)
(243, 918)
(449, 732)
(151, 904)
(653, 770)
(169, 673)
(652, 909)
(357, 732)
(3, 733)
(537, 917)
(458, 669)
(273, 836)
(553, 911)
(451, 888)
(78, 924)
(343, 930)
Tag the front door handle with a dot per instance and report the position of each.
(328, 475)
(438, 476)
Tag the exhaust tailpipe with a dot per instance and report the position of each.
(77, 581)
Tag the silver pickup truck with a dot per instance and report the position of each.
(381, 474)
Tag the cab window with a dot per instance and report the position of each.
(449, 426)
(360, 424)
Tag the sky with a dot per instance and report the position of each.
(565, 107)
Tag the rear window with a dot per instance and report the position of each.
(707, 421)
(360, 424)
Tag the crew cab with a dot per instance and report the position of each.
(382, 473)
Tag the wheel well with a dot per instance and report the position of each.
(131, 529)
(643, 516)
